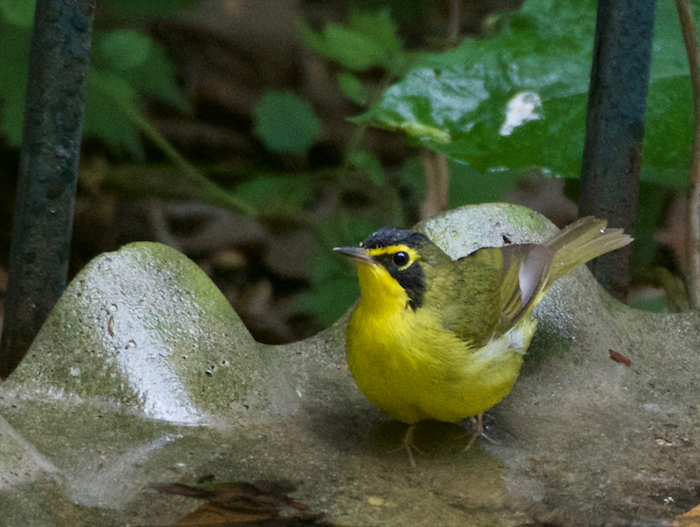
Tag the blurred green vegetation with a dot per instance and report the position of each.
(496, 106)
(126, 65)
(285, 123)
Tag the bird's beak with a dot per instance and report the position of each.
(359, 254)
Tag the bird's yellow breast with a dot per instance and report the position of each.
(407, 364)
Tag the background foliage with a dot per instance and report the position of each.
(126, 65)
(497, 106)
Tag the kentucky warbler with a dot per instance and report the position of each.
(436, 338)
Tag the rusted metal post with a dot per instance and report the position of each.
(612, 155)
(43, 221)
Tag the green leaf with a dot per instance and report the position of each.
(353, 88)
(378, 27)
(275, 195)
(459, 104)
(107, 95)
(14, 69)
(126, 66)
(368, 165)
(368, 40)
(286, 123)
(124, 49)
(519, 98)
(141, 62)
(353, 50)
(18, 13)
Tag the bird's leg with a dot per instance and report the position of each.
(408, 444)
(478, 424)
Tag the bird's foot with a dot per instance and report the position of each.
(477, 431)
(408, 444)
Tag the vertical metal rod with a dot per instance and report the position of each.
(615, 126)
(43, 221)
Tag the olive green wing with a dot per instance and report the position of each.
(468, 294)
(493, 288)
(538, 266)
(526, 278)
(504, 284)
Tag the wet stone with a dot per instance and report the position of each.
(144, 374)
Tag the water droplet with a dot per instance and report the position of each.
(112, 308)
(131, 344)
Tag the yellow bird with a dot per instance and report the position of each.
(436, 338)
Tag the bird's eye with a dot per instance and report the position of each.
(401, 259)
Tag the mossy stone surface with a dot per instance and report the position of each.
(93, 420)
(143, 328)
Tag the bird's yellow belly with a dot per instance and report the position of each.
(409, 366)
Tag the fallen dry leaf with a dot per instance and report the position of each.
(620, 358)
(241, 504)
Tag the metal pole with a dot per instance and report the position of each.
(612, 155)
(43, 220)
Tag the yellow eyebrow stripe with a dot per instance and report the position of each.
(393, 249)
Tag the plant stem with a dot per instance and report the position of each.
(220, 196)
(437, 183)
(454, 21)
(210, 192)
(685, 14)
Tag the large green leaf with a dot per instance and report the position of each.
(463, 102)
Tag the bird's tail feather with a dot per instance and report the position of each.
(581, 242)
(531, 269)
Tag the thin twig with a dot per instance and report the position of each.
(454, 21)
(437, 183)
(219, 196)
(685, 13)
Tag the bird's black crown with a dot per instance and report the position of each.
(387, 236)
